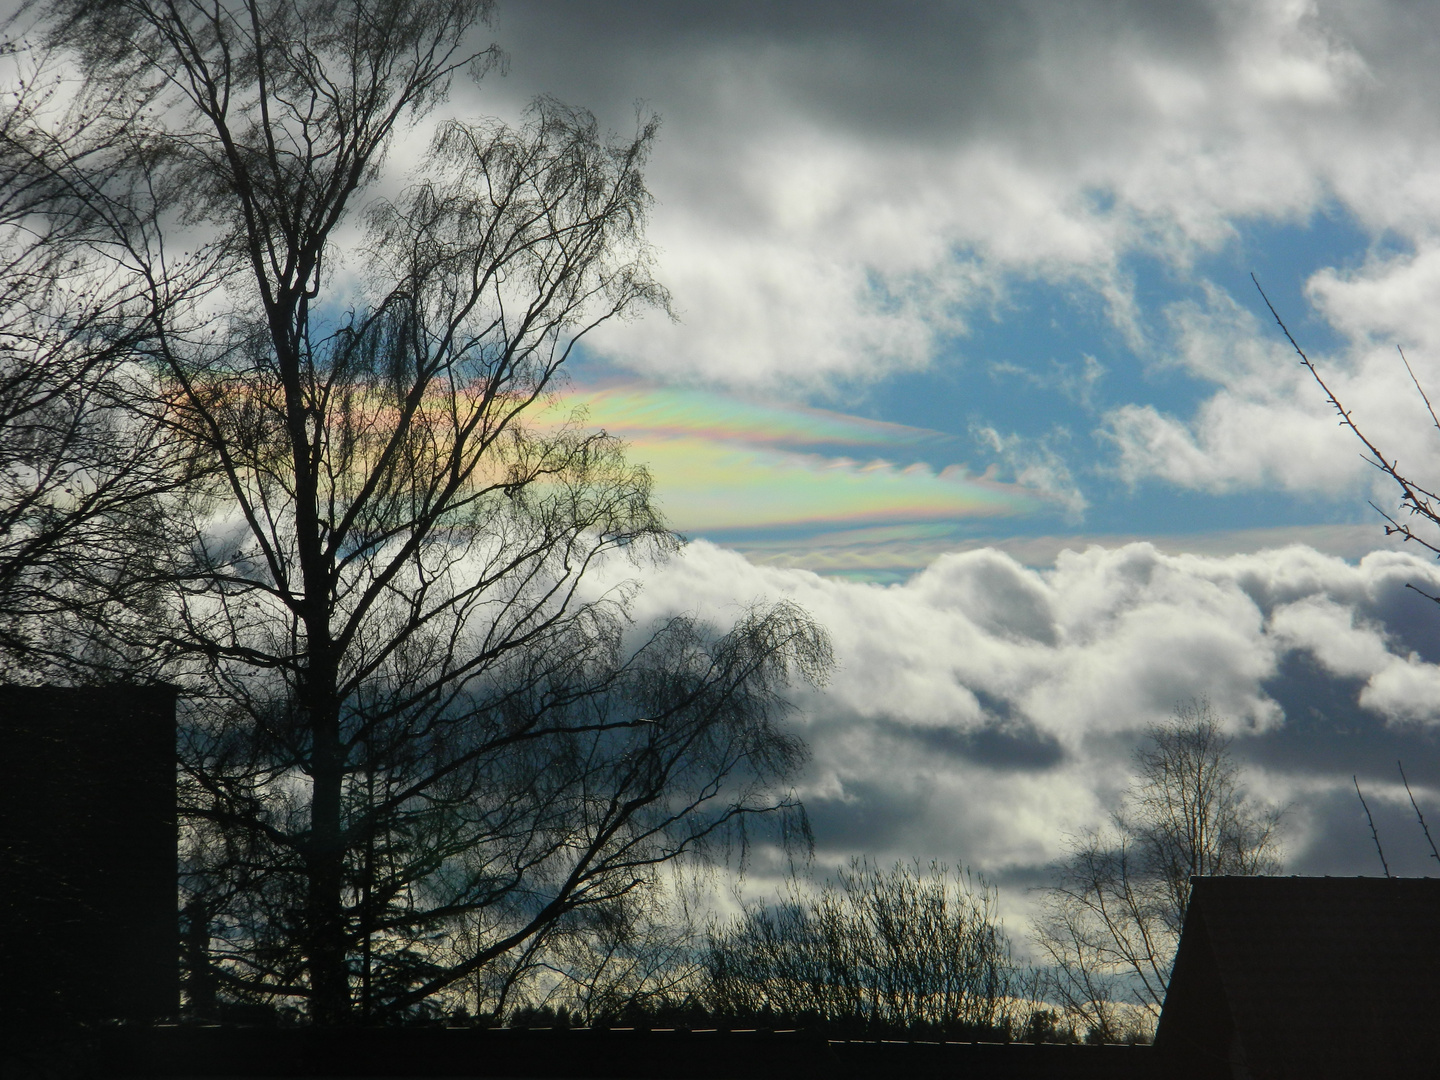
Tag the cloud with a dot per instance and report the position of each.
(1037, 464)
(1387, 299)
(1269, 425)
(844, 198)
(838, 196)
(893, 553)
(983, 710)
(724, 464)
(633, 408)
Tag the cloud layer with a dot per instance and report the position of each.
(983, 710)
(842, 198)
(848, 198)
(831, 189)
(725, 465)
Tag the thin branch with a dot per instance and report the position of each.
(1374, 833)
(1423, 396)
(1418, 815)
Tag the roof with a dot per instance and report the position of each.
(1308, 977)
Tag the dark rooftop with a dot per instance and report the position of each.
(1309, 977)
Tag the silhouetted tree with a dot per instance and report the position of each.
(418, 741)
(916, 949)
(1111, 921)
(634, 960)
(83, 461)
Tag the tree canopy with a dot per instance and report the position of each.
(416, 738)
(1112, 918)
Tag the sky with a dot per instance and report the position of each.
(968, 360)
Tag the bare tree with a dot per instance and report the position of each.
(82, 470)
(418, 741)
(1419, 507)
(909, 948)
(638, 957)
(1419, 816)
(1111, 921)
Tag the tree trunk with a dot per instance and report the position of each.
(327, 959)
(330, 1003)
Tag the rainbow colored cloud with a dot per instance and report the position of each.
(724, 466)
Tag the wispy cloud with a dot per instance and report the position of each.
(724, 465)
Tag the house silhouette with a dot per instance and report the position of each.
(1308, 977)
(88, 922)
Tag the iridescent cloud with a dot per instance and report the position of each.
(726, 465)
(635, 409)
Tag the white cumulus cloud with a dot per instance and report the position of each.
(983, 710)
(837, 195)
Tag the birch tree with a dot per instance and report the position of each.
(413, 725)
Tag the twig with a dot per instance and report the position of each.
(1374, 834)
(1415, 499)
(1423, 397)
(1425, 828)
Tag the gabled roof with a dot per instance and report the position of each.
(1309, 977)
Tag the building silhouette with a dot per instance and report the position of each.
(1280, 977)
(88, 922)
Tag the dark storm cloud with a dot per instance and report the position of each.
(996, 747)
(866, 816)
(907, 71)
(1328, 733)
(1410, 618)
(1339, 839)
(1001, 742)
